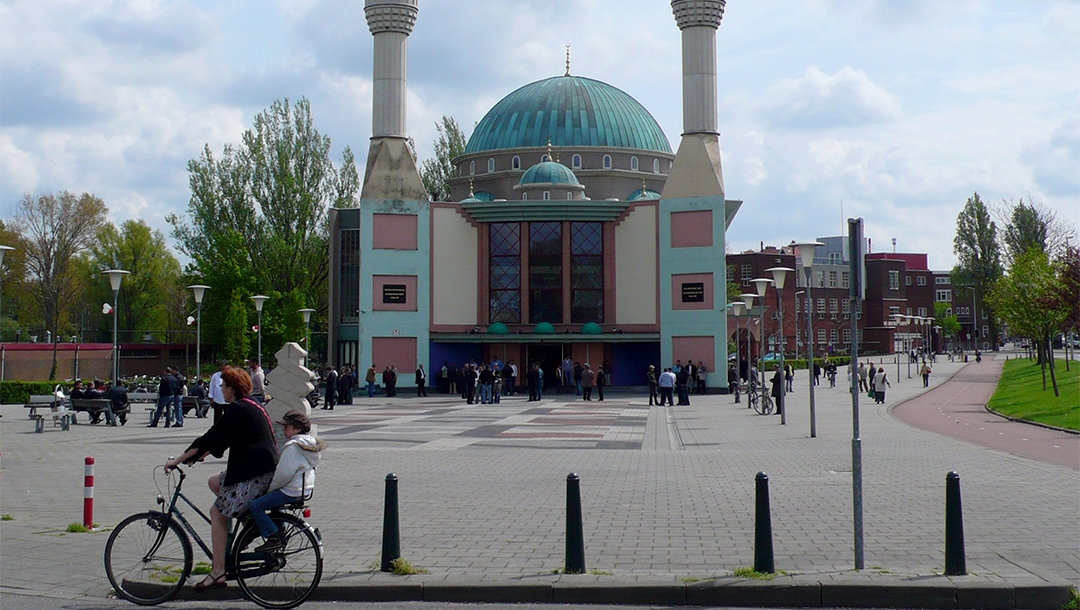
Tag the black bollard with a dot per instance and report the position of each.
(763, 551)
(391, 538)
(955, 561)
(575, 535)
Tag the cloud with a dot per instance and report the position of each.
(1055, 161)
(150, 28)
(817, 100)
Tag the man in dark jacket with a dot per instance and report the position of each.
(421, 381)
(178, 397)
(118, 394)
(331, 389)
(166, 390)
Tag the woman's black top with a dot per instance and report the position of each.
(245, 430)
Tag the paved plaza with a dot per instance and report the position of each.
(668, 493)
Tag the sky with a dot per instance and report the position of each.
(894, 111)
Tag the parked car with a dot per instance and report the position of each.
(771, 358)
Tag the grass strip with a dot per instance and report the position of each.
(1019, 394)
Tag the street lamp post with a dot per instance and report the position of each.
(805, 250)
(3, 250)
(736, 311)
(306, 312)
(199, 290)
(779, 276)
(115, 277)
(748, 304)
(259, 300)
(762, 285)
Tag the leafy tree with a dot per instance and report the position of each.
(437, 171)
(978, 256)
(148, 293)
(1032, 225)
(257, 219)
(54, 230)
(1027, 300)
(949, 323)
(1068, 291)
(16, 312)
(235, 340)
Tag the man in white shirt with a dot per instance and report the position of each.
(258, 381)
(217, 398)
(667, 387)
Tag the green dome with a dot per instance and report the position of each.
(498, 328)
(549, 172)
(591, 328)
(570, 111)
(544, 328)
(646, 194)
(479, 196)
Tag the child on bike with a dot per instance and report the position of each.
(293, 479)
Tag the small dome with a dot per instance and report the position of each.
(498, 328)
(591, 328)
(544, 328)
(549, 172)
(643, 194)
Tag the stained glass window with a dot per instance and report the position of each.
(545, 272)
(504, 287)
(586, 272)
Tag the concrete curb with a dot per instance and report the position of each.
(783, 592)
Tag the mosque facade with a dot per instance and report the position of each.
(573, 230)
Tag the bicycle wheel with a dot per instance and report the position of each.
(147, 558)
(766, 405)
(281, 579)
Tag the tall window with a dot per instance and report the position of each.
(607, 161)
(505, 272)
(832, 279)
(545, 272)
(350, 276)
(515, 162)
(921, 280)
(634, 163)
(576, 160)
(747, 274)
(894, 280)
(845, 279)
(586, 272)
(834, 305)
(491, 165)
(656, 166)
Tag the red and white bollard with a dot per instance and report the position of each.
(88, 494)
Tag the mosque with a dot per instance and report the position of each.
(573, 231)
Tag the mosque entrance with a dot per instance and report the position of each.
(550, 358)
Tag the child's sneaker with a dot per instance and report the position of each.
(274, 543)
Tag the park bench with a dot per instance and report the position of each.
(191, 402)
(149, 399)
(51, 408)
(93, 406)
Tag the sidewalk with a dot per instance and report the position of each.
(667, 500)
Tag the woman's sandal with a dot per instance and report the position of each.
(211, 582)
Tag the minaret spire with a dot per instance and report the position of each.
(567, 61)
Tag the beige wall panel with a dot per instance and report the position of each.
(453, 268)
(636, 267)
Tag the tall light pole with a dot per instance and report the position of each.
(762, 285)
(259, 300)
(115, 277)
(736, 310)
(779, 276)
(748, 303)
(3, 250)
(805, 250)
(306, 312)
(199, 290)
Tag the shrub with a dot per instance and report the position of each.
(19, 392)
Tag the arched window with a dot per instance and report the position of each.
(656, 166)
(669, 165)
(577, 161)
(491, 165)
(544, 158)
(524, 196)
(633, 164)
(472, 167)
(607, 161)
(547, 195)
(516, 163)
(569, 194)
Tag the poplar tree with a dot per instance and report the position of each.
(978, 257)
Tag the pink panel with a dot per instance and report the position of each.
(691, 229)
(399, 351)
(689, 279)
(395, 282)
(393, 231)
(698, 349)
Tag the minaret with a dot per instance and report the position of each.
(391, 171)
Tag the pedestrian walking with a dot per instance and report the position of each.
(588, 380)
(789, 376)
(778, 388)
(577, 377)
(369, 379)
(650, 378)
(702, 377)
(421, 381)
(165, 398)
(733, 381)
(864, 385)
(666, 384)
(601, 381)
(682, 385)
(330, 398)
(925, 374)
(881, 382)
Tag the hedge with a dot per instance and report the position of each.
(19, 392)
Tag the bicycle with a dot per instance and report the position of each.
(760, 401)
(148, 557)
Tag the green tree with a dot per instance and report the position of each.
(17, 314)
(978, 257)
(438, 170)
(949, 323)
(1032, 225)
(257, 219)
(54, 230)
(1068, 292)
(148, 294)
(235, 341)
(1027, 300)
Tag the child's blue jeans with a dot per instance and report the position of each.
(260, 505)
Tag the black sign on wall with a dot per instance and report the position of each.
(693, 292)
(393, 293)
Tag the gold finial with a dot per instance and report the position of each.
(567, 61)
(471, 194)
(550, 156)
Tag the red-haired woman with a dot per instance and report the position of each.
(245, 430)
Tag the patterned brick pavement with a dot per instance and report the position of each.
(667, 492)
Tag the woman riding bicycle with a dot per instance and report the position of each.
(245, 430)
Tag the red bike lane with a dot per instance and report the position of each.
(956, 408)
